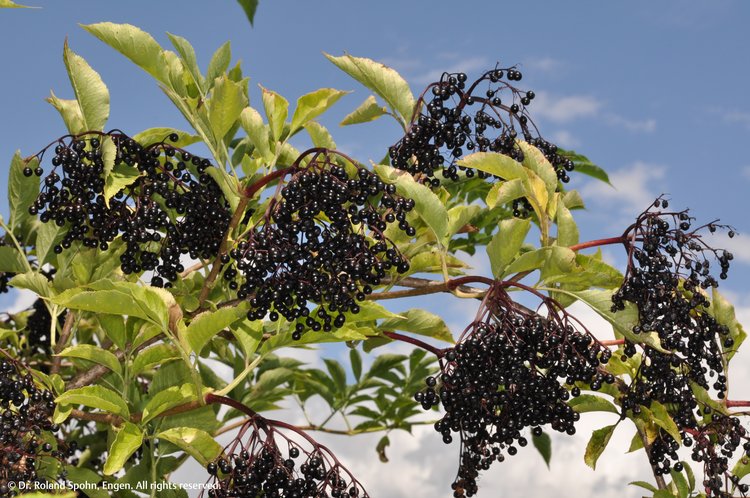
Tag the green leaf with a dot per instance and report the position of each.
(662, 418)
(32, 281)
(167, 399)
(420, 321)
(383, 443)
(159, 135)
(250, 7)
(187, 54)
(219, 63)
(11, 260)
(644, 485)
(567, 230)
(496, 164)
(543, 444)
(584, 165)
(427, 204)
(125, 443)
(277, 110)
(506, 243)
(367, 111)
(356, 362)
(95, 397)
(67, 494)
(120, 177)
(95, 354)
(90, 91)
(312, 105)
(70, 112)
(114, 327)
(458, 217)
(742, 467)
(320, 135)
(382, 80)
(206, 325)
(22, 191)
(257, 132)
(723, 311)
(153, 356)
(599, 440)
(224, 107)
(679, 480)
(8, 4)
(135, 44)
(195, 442)
(505, 192)
(591, 403)
(536, 162)
(337, 373)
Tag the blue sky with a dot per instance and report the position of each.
(655, 92)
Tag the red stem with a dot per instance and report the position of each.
(613, 342)
(597, 243)
(251, 190)
(416, 342)
(731, 403)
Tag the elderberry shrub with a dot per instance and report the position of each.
(488, 115)
(171, 206)
(506, 374)
(323, 241)
(264, 461)
(27, 434)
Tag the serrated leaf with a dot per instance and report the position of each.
(680, 482)
(114, 327)
(543, 444)
(496, 164)
(506, 243)
(382, 80)
(591, 403)
(724, 313)
(367, 111)
(207, 324)
(95, 397)
(596, 445)
(662, 418)
(312, 105)
(70, 112)
(567, 230)
(90, 91)
(161, 134)
(187, 54)
(126, 442)
(257, 132)
(458, 217)
(35, 282)
(584, 165)
(135, 44)
(95, 354)
(420, 321)
(22, 190)
(153, 356)
(120, 177)
(505, 192)
(167, 399)
(219, 63)
(195, 442)
(11, 260)
(320, 135)
(534, 159)
(225, 106)
(277, 110)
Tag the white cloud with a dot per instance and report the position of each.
(739, 245)
(644, 126)
(735, 116)
(565, 139)
(468, 65)
(565, 109)
(23, 300)
(544, 64)
(633, 188)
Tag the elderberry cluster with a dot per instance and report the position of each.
(488, 115)
(506, 374)
(323, 241)
(168, 206)
(26, 430)
(269, 463)
(715, 445)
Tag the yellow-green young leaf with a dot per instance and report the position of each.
(195, 442)
(206, 325)
(47, 236)
(636, 443)
(249, 335)
(187, 54)
(312, 105)
(505, 192)
(367, 111)
(114, 327)
(506, 243)
(458, 217)
(120, 177)
(428, 206)
(277, 110)
(319, 135)
(680, 482)
(573, 200)
(135, 44)
(11, 260)
(536, 162)
(662, 418)
(742, 467)
(496, 164)
(22, 190)
(155, 355)
(382, 80)
(224, 106)
(567, 230)
(61, 413)
(591, 403)
(723, 311)
(8, 4)
(125, 443)
(32, 281)
(599, 440)
(536, 192)
(419, 321)
(95, 354)
(159, 135)
(528, 261)
(257, 132)
(95, 397)
(70, 112)
(90, 91)
(543, 444)
(166, 399)
(644, 485)
(219, 63)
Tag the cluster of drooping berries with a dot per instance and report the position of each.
(26, 431)
(38, 328)
(158, 198)
(715, 444)
(322, 241)
(265, 461)
(668, 271)
(488, 115)
(506, 374)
